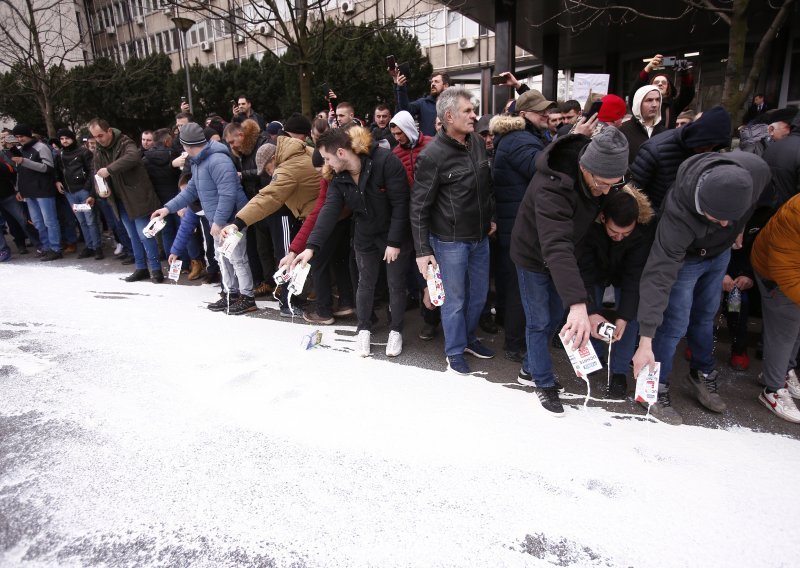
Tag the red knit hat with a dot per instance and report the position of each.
(612, 108)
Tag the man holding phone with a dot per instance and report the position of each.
(424, 108)
(243, 110)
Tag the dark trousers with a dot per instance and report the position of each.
(283, 227)
(509, 303)
(369, 265)
(333, 258)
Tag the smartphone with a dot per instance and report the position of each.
(668, 61)
(15, 152)
(325, 90)
(183, 99)
(593, 109)
(498, 79)
(391, 63)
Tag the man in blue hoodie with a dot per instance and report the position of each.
(216, 183)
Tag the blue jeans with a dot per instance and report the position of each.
(543, 313)
(141, 245)
(465, 275)
(169, 231)
(45, 218)
(67, 221)
(622, 350)
(116, 226)
(693, 304)
(12, 209)
(88, 221)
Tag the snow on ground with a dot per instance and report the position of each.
(139, 429)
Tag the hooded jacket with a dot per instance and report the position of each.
(676, 100)
(252, 139)
(517, 143)
(776, 252)
(634, 129)
(129, 180)
(424, 108)
(379, 201)
(658, 160)
(683, 232)
(74, 168)
(452, 195)
(215, 182)
(36, 174)
(295, 183)
(604, 261)
(783, 157)
(555, 214)
(158, 162)
(408, 153)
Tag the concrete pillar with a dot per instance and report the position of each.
(505, 41)
(549, 59)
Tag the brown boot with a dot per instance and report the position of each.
(197, 270)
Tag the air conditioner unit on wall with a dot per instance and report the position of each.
(239, 38)
(111, 30)
(139, 20)
(466, 43)
(206, 46)
(348, 7)
(264, 29)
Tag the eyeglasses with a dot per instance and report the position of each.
(602, 184)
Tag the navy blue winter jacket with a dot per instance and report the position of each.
(517, 143)
(424, 109)
(658, 160)
(215, 182)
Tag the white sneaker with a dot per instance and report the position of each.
(395, 344)
(118, 250)
(792, 384)
(781, 404)
(362, 343)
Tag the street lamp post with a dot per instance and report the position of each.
(184, 25)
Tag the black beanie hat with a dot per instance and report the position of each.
(66, 133)
(22, 130)
(298, 124)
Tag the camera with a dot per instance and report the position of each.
(678, 64)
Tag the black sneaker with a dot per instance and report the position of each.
(51, 255)
(242, 305)
(156, 276)
(222, 304)
(487, 324)
(427, 332)
(138, 274)
(525, 378)
(548, 398)
(98, 254)
(86, 253)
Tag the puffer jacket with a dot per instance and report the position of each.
(215, 182)
(776, 252)
(783, 157)
(36, 174)
(295, 183)
(158, 162)
(379, 202)
(129, 180)
(682, 231)
(452, 195)
(555, 214)
(423, 108)
(517, 143)
(74, 168)
(409, 152)
(656, 165)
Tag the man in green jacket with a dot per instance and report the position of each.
(119, 162)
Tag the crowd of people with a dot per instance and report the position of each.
(637, 214)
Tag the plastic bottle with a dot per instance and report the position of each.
(735, 301)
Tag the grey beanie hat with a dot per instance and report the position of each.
(725, 192)
(192, 135)
(264, 155)
(607, 154)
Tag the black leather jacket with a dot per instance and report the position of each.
(452, 196)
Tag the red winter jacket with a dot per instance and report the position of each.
(409, 156)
